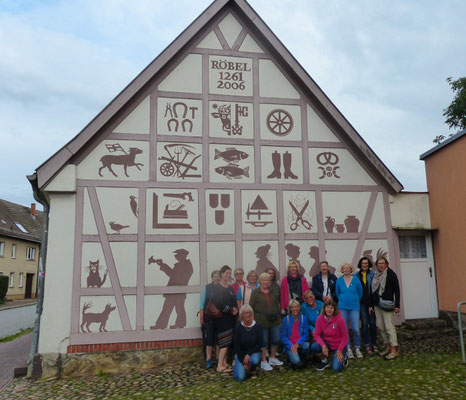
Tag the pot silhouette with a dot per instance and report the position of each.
(329, 224)
(340, 228)
(352, 224)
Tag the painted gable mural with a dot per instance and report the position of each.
(225, 161)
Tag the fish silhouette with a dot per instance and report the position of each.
(232, 171)
(231, 155)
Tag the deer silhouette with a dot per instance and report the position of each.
(127, 160)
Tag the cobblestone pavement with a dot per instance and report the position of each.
(430, 369)
(12, 355)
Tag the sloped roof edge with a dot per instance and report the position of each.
(49, 168)
(443, 144)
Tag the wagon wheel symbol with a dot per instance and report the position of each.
(279, 122)
(167, 169)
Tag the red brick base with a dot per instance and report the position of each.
(96, 348)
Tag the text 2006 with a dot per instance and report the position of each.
(230, 80)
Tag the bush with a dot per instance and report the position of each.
(3, 287)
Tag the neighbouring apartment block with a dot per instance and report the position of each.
(20, 236)
(222, 151)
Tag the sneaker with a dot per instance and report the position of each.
(350, 353)
(274, 361)
(358, 353)
(209, 363)
(322, 365)
(266, 366)
(345, 363)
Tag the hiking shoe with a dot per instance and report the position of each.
(266, 366)
(274, 361)
(322, 365)
(358, 353)
(350, 353)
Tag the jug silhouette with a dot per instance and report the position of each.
(329, 224)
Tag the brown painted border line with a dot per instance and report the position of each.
(221, 38)
(125, 337)
(238, 229)
(281, 232)
(140, 137)
(141, 254)
(365, 227)
(256, 122)
(107, 250)
(77, 260)
(320, 224)
(239, 40)
(153, 136)
(230, 53)
(305, 142)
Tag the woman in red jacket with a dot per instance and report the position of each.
(331, 338)
(293, 286)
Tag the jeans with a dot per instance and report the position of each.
(336, 365)
(239, 373)
(368, 326)
(353, 316)
(303, 351)
(271, 336)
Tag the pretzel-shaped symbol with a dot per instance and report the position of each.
(327, 158)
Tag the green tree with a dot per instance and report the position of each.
(456, 111)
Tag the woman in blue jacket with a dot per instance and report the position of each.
(295, 335)
(368, 325)
(349, 293)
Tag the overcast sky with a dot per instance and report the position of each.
(382, 63)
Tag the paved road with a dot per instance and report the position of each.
(14, 319)
(13, 355)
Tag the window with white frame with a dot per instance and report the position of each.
(2, 248)
(12, 279)
(20, 279)
(13, 251)
(413, 247)
(30, 253)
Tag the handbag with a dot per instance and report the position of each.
(211, 311)
(386, 305)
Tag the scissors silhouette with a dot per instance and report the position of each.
(299, 217)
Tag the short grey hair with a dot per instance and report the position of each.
(246, 309)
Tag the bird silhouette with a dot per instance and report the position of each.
(134, 205)
(117, 227)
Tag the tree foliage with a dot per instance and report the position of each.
(455, 113)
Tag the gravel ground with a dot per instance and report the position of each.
(431, 369)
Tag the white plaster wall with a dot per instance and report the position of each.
(410, 211)
(137, 121)
(56, 317)
(230, 28)
(210, 41)
(65, 181)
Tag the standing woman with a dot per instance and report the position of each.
(349, 293)
(368, 326)
(239, 275)
(244, 292)
(224, 300)
(293, 286)
(274, 286)
(208, 323)
(266, 308)
(331, 338)
(386, 299)
(323, 284)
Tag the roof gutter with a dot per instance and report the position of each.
(40, 197)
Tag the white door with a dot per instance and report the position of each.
(418, 276)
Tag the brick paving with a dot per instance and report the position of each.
(12, 355)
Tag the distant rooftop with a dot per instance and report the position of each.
(443, 144)
(17, 221)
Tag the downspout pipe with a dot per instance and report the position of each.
(40, 197)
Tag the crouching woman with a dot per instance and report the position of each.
(295, 335)
(247, 340)
(331, 338)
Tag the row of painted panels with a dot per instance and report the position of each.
(183, 162)
(178, 264)
(175, 211)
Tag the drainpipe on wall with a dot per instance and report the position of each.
(40, 197)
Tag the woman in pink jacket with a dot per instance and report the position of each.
(331, 338)
(293, 286)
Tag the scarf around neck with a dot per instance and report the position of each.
(379, 281)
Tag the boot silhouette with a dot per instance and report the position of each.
(287, 166)
(276, 166)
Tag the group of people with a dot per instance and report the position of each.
(257, 315)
